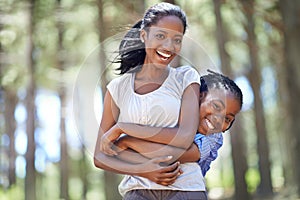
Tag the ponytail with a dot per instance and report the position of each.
(131, 50)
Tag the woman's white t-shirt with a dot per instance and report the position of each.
(159, 108)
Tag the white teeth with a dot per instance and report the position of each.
(210, 126)
(164, 54)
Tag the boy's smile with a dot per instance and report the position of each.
(218, 108)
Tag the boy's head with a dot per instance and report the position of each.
(220, 100)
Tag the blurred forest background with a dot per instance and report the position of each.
(53, 69)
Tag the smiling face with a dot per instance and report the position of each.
(163, 40)
(218, 108)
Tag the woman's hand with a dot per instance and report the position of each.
(163, 175)
(108, 139)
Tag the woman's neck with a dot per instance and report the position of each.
(152, 73)
(149, 79)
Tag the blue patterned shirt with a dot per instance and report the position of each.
(208, 147)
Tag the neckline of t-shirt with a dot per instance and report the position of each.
(171, 69)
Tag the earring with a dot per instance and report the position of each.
(142, 40)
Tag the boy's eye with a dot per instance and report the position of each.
(216, 106)
(227, 120)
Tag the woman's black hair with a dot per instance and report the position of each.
(214, 80)
(132, 50)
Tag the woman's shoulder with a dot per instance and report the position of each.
(186, 69)
(183, 76)
(187, 72)
(182, 68)
(119, 81)
(121, 78)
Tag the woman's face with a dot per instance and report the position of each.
(218, 108)
(163, 40)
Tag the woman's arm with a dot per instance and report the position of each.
(151, 169)
(180, 136)
(149, 150)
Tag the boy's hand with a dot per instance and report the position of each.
(120, 145)
(163, 175)
(107, 139)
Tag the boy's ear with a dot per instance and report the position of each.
(229, 126)
(202, 95)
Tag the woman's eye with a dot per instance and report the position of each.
(178, 41)
(160, 36)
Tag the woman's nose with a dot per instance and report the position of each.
(168, 44)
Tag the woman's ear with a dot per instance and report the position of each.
(143, 35)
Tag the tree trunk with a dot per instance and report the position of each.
(285, 139)
(83, 172)
(64, 169)
(64, 166)
(239, 158)
(291, 23)
(222, 39)
(265, 187)
(111, 180)
(240, 165)
(171, 1)
(30, 182)
(11, 101)
(102, 37)
(140, 6)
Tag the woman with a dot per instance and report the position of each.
(151, 93)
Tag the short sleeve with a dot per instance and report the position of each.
(188, 75)
(208, 147)
(112, 87)
(119, 87)
(204, 146)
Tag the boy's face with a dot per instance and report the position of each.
(218, 108)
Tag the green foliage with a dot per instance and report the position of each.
(12, 77)
(217, 178)
(14, 192)
(252, 179)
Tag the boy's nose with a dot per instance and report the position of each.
(218, 119)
